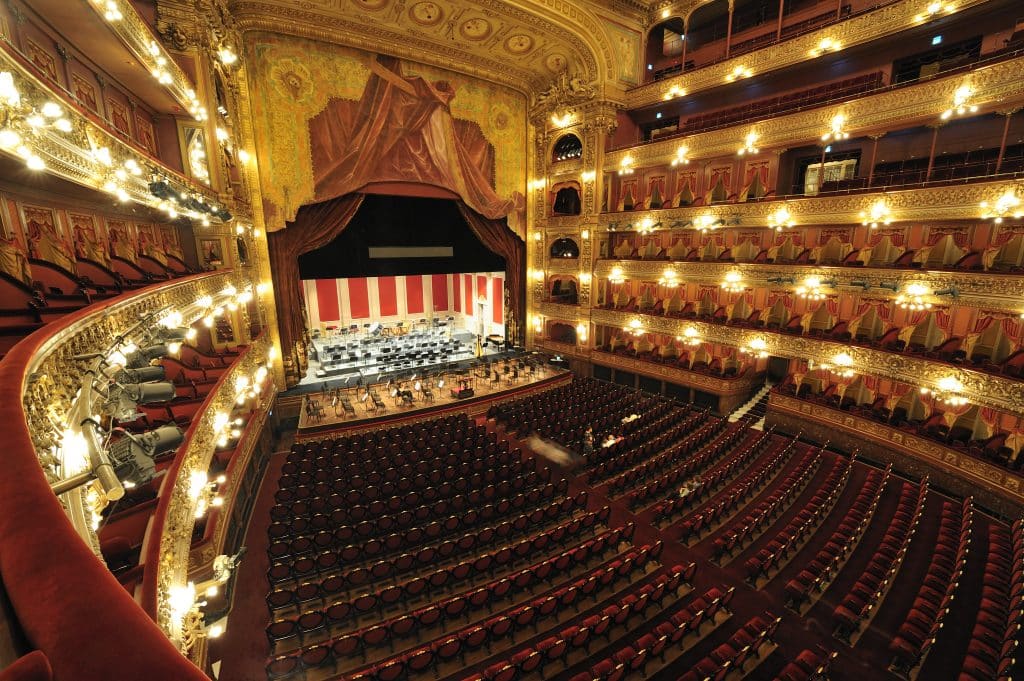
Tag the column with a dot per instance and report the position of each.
(686, 40)
(728, 28)
(778, 29)
(1002, 143)
(931, 153)
(839, 9)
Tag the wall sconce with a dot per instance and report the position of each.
(538, 275)
(845, 362)
(537, 184)
(878, 214)
(810, 289)
(537, 236)
(673, 92)
(738, 73)
(584, 234)
(707, 222)
(824, 46)
(961, 103)
(933, 9)
(690, 336)
(913, 298)
(634, 327)
(780, 218)
(581, 332)
(756, 347)
(226, 55)
(647, 226)
(561, 121)
(681, 158)
(616, 276)
(588, 175)
(1007, 205)
(538, 323)
(836, 129)
(585, 278)
(749, 144)
(669, 278)
(733, 282)
(626, 166)
(949, 390)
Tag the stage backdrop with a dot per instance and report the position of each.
(298, 82)
(361, 300)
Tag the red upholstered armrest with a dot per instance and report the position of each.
(31, 667)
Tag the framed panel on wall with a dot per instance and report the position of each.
(211, 252)
(194, 151)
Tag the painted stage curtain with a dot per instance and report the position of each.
(498, 238)
(402, 130)
(315, 225)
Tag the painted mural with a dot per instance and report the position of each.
(295, 81)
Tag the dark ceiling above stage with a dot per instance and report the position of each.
(406, 222)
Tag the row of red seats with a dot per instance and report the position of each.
(323, 514)
(774, 452)
(808, 666)
(497, 626)
(712, 437)
(746, 644)
(347, 610)
(816, 575)
(498, 480)
(859, 603)
(995, 637)
(557, 648)
(625, 452)
(802, 526)
(605, 464)
(349, 545)
(669, 481)
(440, 427)
(756, 520)
(425, 556)
(917, 634)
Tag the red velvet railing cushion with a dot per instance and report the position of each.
(31, 667)
(68, 604)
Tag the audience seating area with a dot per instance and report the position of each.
(691, 549)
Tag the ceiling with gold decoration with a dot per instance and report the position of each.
(525, 44)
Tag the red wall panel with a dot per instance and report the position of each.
(414, 294)
(439, 289)
(327, 299)
(457, 291)
(388, 293)
(481, 287)
(359, 298)
(467, 285)
(498, 300)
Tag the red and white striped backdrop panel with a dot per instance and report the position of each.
(337, 302)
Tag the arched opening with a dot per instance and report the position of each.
(562, 333)
(567, 147)
(565, 248)
(567, 201)
(665, 49)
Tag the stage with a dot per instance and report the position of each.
(377, 403)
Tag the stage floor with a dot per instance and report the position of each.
(332, 415)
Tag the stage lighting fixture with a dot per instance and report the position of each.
(133, 455)
(177, 334)
(141, 375)
(142, 356)
(122, 399)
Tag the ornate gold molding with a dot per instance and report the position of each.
(854, 31)
(195, 456)
(932, 204)
(997, 84)
(691, 379)
(996, 292)
(985, 389)
(961, 464)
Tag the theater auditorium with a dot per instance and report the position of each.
(500, 340)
